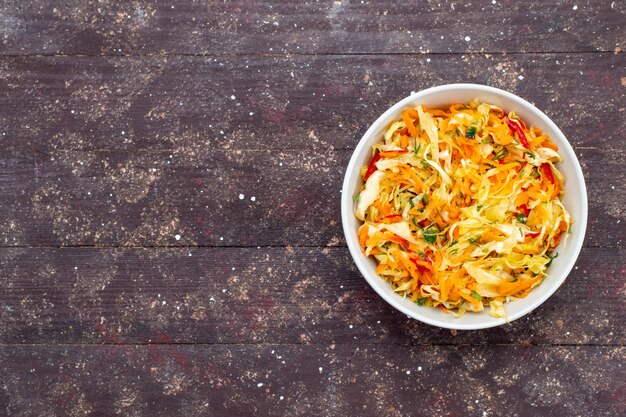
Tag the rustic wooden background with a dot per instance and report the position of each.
(170, 175)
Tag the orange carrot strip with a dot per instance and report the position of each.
(409, 123)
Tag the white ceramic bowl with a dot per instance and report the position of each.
(575, 200)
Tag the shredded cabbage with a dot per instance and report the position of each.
(462, 208)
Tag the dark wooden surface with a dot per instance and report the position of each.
(135, 280)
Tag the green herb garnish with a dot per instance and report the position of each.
(477, 296)
(471, 132)
(425, 199)
(430, 235)
(521, 218)
(551, 258)
(357, 197)
(500, 154)
(473, 240)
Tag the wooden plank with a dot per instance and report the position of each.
(266, 295)
(209, 27)
(296, 102)
(278, 380)
(216, 198)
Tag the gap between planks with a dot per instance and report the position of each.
(163, 150)
(187, 247)
(295, 54)
(313, 345)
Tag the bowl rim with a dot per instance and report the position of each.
(394, 299)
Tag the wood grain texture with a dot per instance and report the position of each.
(110, 151)
(305, 380)
(210, 27)
(269, 102)
(266, 295)
(170, 241)
(191, 196)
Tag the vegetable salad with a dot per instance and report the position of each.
(462, 208)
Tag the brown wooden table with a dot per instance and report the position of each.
(170, 174)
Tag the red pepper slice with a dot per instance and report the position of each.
(371, 168)
(524, 210)
(520, 133)
(419, 266)
(401, 241)
(548, 173)
(533, 234)
(393, 218)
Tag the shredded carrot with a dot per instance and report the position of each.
(404, 141)
(547, 143)
(399, 240)
(409, 123)
(512, 288)
(469, 298)
(363, 234)
(466, 209)
(391, 154)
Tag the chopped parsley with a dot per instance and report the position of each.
(500, 154)
(357, 197)
(471, 132)
(425, 199)
(473, 240)
(477, 296)
(421, 301)
(521, 218)
(430, 235)
(551, 258)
